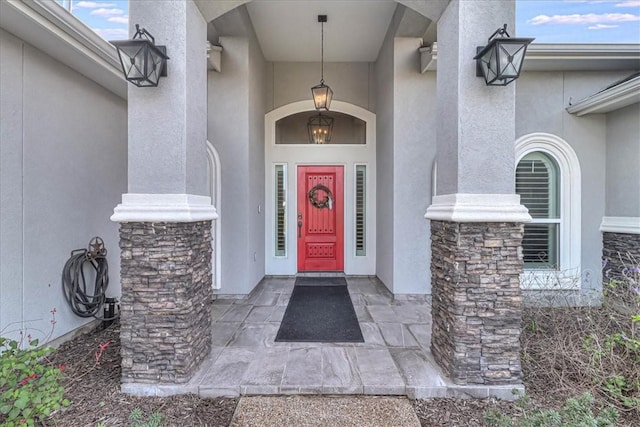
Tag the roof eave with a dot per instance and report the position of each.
(563, 57)
(608, 100)
(49, 27)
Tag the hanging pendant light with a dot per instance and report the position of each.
(320, 128)
(322, 94)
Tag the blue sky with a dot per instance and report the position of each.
(549, 21)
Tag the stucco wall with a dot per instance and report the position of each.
(236, 101)
(623, 157)
(405, 107)
(257, 106)
(414, 147)
(63, 169)
(157, 164)
(384, 73)
(541, 99)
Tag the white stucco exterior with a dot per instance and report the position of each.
(63, 168)
(73, 145)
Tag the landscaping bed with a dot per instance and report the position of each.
(566, 352)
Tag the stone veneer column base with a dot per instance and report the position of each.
(619, 251)
(476, 300)
(166, 300)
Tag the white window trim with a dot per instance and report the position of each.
(568, 274)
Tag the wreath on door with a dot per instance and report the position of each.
(327, 202)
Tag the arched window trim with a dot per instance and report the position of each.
(567, 275)
(214, 177)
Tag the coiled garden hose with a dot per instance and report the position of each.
(86, 302)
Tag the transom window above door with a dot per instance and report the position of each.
(347, 129)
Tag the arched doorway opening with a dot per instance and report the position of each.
(350, 159)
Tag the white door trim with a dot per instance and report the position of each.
(293, 155)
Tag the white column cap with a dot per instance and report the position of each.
(462, 207)
(164, 208)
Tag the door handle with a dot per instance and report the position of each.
(299, 225)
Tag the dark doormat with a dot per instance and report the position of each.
(320, 310)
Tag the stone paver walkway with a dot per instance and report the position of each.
(394, 359)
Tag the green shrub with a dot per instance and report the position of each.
(30, 390)
(575, 413)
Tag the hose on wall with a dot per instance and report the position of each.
(86, 302)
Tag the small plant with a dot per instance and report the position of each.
(136, 419)
(102, 348)
(576, 412)
(30, 390)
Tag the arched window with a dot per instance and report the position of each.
(537, 183)
(548, 182)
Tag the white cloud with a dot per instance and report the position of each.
(591, 1)
(106, 12)
(119, 19)
(92, 4)
(629, 3)
(112, 33)
(601, 27)
(590, 18)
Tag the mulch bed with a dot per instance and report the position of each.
(94, 390)
(458, 412)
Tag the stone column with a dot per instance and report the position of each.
(165, 231)
(620, 247)
(476, 219)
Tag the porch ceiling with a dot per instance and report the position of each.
(289, 31)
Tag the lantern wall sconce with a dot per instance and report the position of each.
(500, 61)
(143, 63)
(322, 94)
(320, 128)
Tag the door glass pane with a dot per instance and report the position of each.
(281, 211)
(361, 182)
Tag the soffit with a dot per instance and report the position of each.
(563, 57)
(50, 28)
(288, 31)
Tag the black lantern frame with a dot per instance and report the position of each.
(322, 94)
(143, 63)
(500, 61)
(320, 129)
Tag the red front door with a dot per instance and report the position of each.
(320, 218)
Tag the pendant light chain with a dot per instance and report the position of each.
(322, 53)
(322, 93)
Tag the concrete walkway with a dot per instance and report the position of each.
(394, 359)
